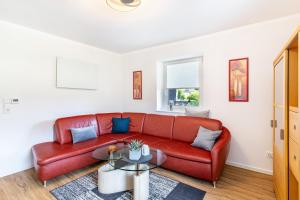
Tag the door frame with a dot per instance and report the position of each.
(283, 56)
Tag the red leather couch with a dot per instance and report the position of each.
(172, 134)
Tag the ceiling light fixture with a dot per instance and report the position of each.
(123, 5)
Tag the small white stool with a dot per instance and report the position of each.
(112, 180)
(141, 185)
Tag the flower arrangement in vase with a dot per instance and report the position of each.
(135, 149)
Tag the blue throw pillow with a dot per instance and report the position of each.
(120, 125)
(83, 134)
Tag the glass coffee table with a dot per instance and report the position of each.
(122, 174)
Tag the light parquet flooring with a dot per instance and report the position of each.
(236, 183)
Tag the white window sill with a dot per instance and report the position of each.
(181, 112)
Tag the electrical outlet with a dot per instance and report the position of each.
(269, 154)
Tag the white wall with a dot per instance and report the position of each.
(27, 71)
(249, 123)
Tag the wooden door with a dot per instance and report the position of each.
(280, 127)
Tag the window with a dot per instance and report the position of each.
(179, 84)
(184, 97)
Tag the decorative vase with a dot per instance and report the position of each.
(135, 154)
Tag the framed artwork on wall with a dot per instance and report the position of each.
(238, 80)
(137, 85)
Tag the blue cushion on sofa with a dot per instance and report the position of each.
(120, 125)
(83, 134)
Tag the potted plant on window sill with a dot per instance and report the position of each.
(135, 149)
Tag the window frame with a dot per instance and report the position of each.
(162, 90)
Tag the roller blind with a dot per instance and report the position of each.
(183, 74)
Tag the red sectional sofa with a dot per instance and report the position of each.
(172, 134)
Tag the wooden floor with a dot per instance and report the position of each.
(235, 183)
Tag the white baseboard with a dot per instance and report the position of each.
(249, 167)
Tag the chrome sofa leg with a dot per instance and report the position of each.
(45, 184)
(215, 184)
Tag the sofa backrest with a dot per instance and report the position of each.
(186, 128)
(62, 126)
(159, 125)
(105, 121)
(136, 121)
(182, 128)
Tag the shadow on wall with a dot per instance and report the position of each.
(237, 148)
(40, 132)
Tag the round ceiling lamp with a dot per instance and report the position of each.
(123, 5)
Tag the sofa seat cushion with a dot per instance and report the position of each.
(49, 152)
(122, 136)
(147, 139)
(184, 151)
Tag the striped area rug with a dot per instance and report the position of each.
(161, 188)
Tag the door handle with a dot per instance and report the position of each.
(281, 134)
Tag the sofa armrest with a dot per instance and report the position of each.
(219, 154)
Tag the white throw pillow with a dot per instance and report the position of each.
(196, 113)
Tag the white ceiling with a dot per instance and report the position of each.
(154, 22)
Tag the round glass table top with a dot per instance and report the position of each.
(119, 158)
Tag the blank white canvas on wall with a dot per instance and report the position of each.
(76, 74)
